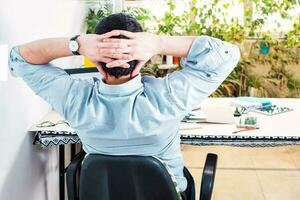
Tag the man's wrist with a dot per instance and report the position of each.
(80, 41)
(160, 40)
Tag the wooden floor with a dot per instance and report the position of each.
(249, 173)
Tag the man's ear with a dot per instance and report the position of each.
(101, 70)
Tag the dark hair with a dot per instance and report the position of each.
(120, 21)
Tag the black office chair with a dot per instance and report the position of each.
(104, 177)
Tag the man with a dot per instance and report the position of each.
(126, 114)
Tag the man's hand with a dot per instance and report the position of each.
(140, 46)
(91, 46)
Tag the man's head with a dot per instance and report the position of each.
(119, 21)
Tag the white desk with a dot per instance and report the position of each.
(281, 129)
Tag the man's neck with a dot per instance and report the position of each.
(111, 80)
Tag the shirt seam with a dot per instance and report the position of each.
(171, 98)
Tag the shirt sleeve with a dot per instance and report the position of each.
(207, 65)
(53, 84)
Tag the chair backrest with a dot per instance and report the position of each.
(105, 177)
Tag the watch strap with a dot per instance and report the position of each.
(74, 39)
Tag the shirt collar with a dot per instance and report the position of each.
(122, 89)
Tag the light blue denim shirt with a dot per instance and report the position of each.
(141, 116)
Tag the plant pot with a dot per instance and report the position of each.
(175, 60)
(246, 48)
(169, 60)
(264, 48)
(87, 63)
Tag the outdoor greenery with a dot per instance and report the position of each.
(270, 62)
(93, 17)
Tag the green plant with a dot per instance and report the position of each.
(93, 17)
(150, 69)
(267, 39)
(170, 21)
(213, 18)
(142, 15)
(292, 38)
(293, 84)
(282, 7)
(209, 19)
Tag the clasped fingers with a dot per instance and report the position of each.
(116, 50)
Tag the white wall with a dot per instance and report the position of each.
(26, 171)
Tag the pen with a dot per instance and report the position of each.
(244, 129)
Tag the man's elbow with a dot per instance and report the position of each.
(231, 62)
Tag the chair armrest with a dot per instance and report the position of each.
(71, 176)
(208, 176)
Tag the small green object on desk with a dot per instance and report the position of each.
(237, 112)
(247, 121)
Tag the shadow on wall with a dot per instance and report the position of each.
(26, 171)
(33, 174)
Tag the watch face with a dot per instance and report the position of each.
(73, 45)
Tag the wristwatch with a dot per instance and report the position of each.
(74, 46)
